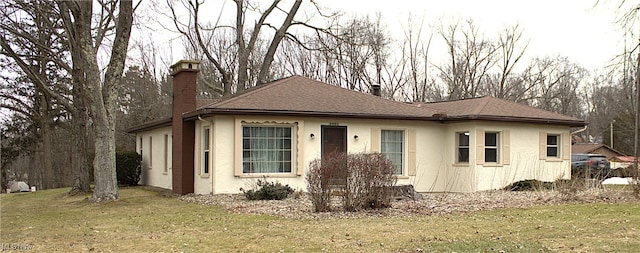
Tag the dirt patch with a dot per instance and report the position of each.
(299, 206)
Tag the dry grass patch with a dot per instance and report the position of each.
(146, 221)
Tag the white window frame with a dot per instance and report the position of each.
(496, 147)
(402, 152)
(166, 153)
(291, 149)
(150, 152)
(206, 150)
(459, 146)
(557, 146)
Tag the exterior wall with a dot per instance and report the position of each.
(436, 169)
(458, 177)
(225, 177)
(525, 160)
(202, 182)
(156, 162)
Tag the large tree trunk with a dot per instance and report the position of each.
(101, 97)
(80, 126)
(80, 160)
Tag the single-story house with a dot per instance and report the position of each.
(275, 130)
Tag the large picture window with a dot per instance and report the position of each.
(392, 142)
(266, 149)
(553, 142)
(463, 147)
(491, 144)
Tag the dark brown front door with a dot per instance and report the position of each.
(334, 140)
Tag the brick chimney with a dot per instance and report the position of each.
(185, 74)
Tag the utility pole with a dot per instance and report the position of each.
(611, 138)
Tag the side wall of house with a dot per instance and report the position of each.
(521, 154)
(155, 147)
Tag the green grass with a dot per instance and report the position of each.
(145, 221)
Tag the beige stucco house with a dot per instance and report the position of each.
(275, 131)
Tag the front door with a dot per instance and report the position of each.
(334, 140)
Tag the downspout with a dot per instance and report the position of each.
(579, 130)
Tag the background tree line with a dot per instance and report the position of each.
(61, 58)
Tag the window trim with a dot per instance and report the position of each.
(403, 153)
(458, 147)
(297, 150)
(205, 151)
(504, 148)
(497, 147)
(150, 152)
(166, 153)
(564, 146)
(557, 146)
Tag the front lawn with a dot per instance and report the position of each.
(145, 221)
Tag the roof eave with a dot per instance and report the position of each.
(150, 125)
(222, 111)
(562, 122)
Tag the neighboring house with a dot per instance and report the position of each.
(595, 148)
(621, 162)
(275, 130)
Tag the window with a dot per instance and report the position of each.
(266, 149)
(205, 150)
(553, 145)
(463, 147)
(150, 152)
(491, 144)
(166, 152)
(391, 142)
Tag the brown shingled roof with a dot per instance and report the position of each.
(586, 148)
(299, 95)
(490, 108)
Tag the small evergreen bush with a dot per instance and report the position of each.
(128, 167)
(529, 185)
(266, 190)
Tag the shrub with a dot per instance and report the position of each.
(128, 167)
(265, 190)
(318, 188)
(366, 180)
(529, 185)
(370, 177)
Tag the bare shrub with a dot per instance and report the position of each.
(365, 181)
(369, 181)
(322, 176)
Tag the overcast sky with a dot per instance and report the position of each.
(579, 29)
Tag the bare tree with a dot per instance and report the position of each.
(101, 91)
(201, 35)
(556, 81)
(510, 53)
(32, 37)
(471, 56)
